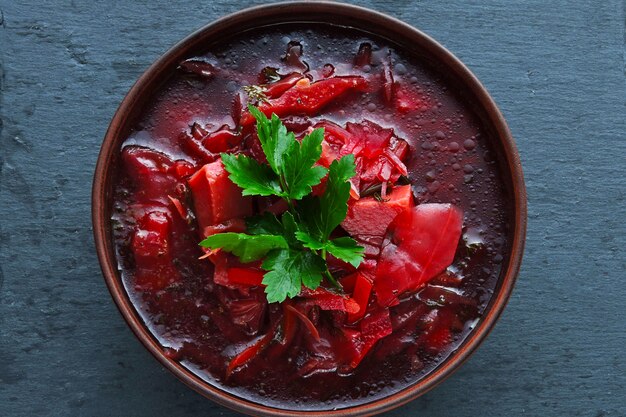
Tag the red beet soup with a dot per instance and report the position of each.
(428, 204)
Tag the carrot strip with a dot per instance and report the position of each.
(249, 353)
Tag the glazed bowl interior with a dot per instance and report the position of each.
(402, 36)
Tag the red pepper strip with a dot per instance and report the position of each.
(309, 325)
(307, 98)
(231, 273)
(249, 353)
(361, 294)
(348, 282)
(245, 276)
(274, 90)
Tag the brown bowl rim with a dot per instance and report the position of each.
(306, 11)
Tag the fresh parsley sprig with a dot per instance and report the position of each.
(291, 172)
(294, 248)
(320, 216)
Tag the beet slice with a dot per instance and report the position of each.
(293, 56)
(379, 153)
(375, 138)
(373, 327)
(364, 55)
(248, 313)
(150, 171)
(327, 300)
(222, 140)
(420, 244)
(215, 197)
(367, 219)
(191, 143)
(152, 252)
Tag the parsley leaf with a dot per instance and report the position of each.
(268, 224)
(297, 165)
(309, 214)
(264, 224)
(344, 248)
(309, 241)
(274, 138)
(289, 230)
(320, 216)
(253, 177)
(287, 270)
(247, 247)
(290, 160)
(334, 201)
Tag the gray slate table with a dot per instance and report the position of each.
(557, 70)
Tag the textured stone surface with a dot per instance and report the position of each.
(557, 70)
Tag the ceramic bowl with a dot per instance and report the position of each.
(405, 37)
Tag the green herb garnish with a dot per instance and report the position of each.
(293, 248)
(256, 93)
(271, 74)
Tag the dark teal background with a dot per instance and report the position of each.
(555, 68)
